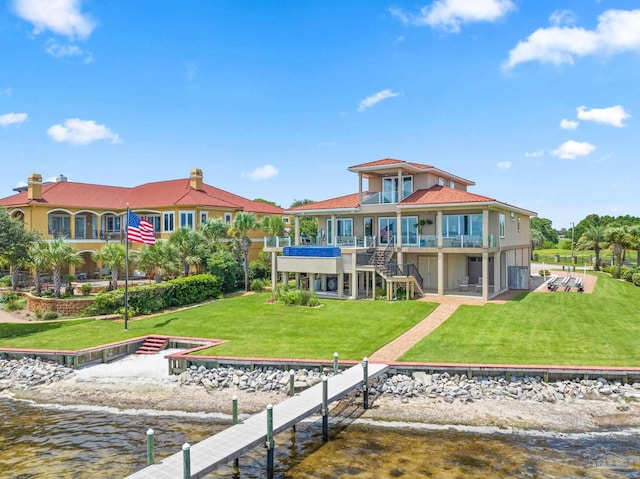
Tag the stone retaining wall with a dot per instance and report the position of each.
(64, 307)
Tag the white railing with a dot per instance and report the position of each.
(276, 241)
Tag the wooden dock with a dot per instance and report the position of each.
(233, 442)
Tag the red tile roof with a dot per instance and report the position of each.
(389, 162)
(440, 195)
(149, 195)
(436, 195)
(347, 201)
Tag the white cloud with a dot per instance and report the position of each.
(62, 17)
(377, 98)
(451, 14)
(57, 50)
(563, 17)
(12, 118)
(262, 173)
(504, 165)
(614, 115)
(81, 132)
(617, 31)
(534, 154)
(570, 150)
(569, 124)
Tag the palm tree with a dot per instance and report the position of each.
(161, 259)
(273, 225)
(593, 238)
(242, 224)
(60, 254)
(39, 259)
(619, 239)
(537, 239)
(635, 242)
(214, 230)
(190, 247)
(112, 256)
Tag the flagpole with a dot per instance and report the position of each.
(126, 271)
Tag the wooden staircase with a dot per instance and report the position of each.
(153, 345)
(380, 261)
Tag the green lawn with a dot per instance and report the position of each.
(601, 329)
(354, 329)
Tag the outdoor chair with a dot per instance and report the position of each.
(479, 284)
(463, 284)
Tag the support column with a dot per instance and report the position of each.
(340, 285)
(439, 228)
(485, 228)
(274, 271)
(298, 285)
(359, 187)
(485, 275)
(354, 280)
(440, 271)
(399, 233)
(334, 230)
(497, 267)
(312, 282)
(296, 240)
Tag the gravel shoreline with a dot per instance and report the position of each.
(526, 403)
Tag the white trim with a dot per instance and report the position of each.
(193, 219)
(166, 214)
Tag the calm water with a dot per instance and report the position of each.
(37, 442)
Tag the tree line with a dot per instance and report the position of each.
(618, 234)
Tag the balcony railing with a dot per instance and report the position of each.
(277, 241)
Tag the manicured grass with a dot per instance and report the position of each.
(561, 328)
(254, 328)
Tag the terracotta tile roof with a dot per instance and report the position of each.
(389, 162)
(149, 195)
(347, 201)
(440, 195)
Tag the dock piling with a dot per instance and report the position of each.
(292, 382)
(365, 383)
(335, 363)
(150, 452)
(325, 409)
(270, 443)
(234, 414)
(186, 461)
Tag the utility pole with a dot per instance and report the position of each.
(573, 227)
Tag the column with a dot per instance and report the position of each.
(296, 240)
(440, 271)
(274, 271)
(354, 281)
(340, 285)
(334, 231)
(497, 266)
(312, 282)
(485, 274)
(485, 228)
(439, 228)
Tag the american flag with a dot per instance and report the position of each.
(139, 230)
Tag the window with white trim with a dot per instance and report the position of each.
(168, 220)
(502, 224)
(204, 217)
(111, 223)
(519, 225)
(344, 227)
(187, 219)
(154, 220)
(228, 218)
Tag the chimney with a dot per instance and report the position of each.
(34, 187)
(61, 178)
(195, 180)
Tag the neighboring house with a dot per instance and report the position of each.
(91, 215)
(412, 225)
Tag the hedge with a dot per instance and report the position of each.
(149, 298)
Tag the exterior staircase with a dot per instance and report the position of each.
(381, 261)
(153, 345)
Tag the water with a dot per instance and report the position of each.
(60, 443)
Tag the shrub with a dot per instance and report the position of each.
(313, 301)
(258, 269)
(49, 315)
(86, 288)
(544, 272)
(15, 304)
(635, 279)
(9, 296)
(295, 297)
(149, 298)
(626, 273)
(225, 266)
(381, 293)
(259, 284)
(5, 281)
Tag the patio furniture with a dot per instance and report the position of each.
(463, 284)
(479, 284)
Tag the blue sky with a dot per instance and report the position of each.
(536, 101)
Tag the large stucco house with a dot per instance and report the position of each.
(91, 215)
(409, 225)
